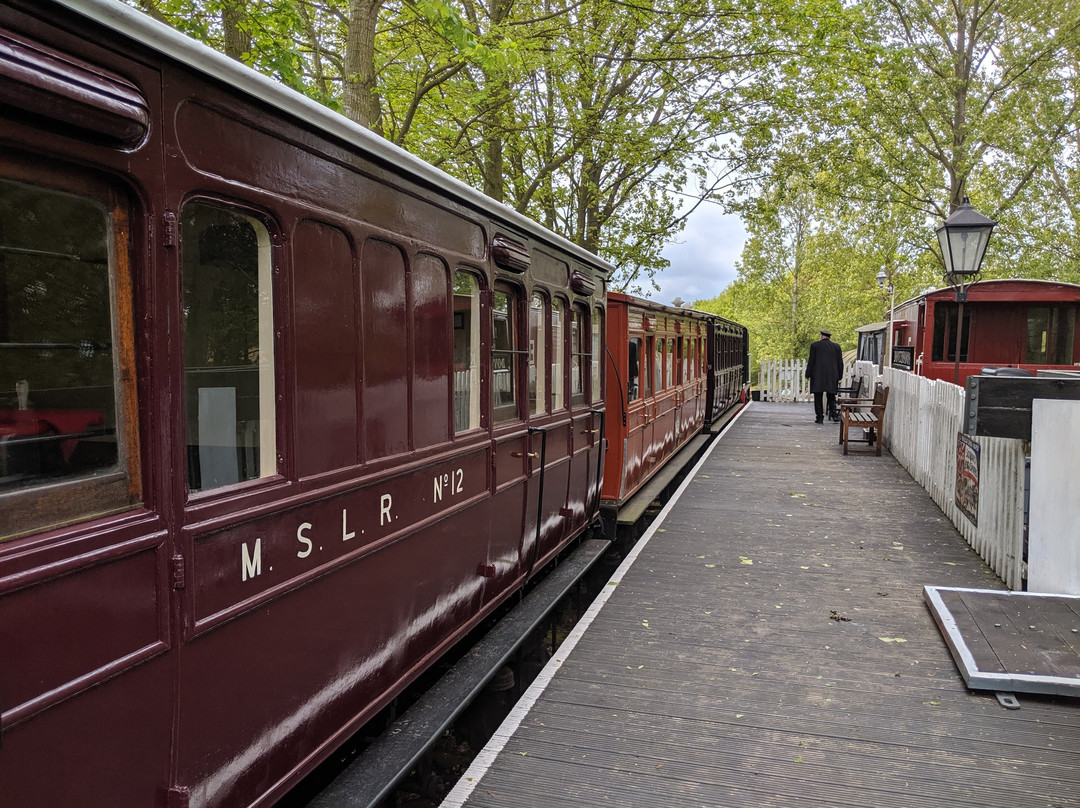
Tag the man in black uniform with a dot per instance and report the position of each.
(824, 369)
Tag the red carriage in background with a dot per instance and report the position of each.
(671, 373)
(1023, 324)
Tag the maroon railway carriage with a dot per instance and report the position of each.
(1027, 324)
(273, 400)
(729, 367)
(671, 371)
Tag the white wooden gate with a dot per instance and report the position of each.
(784, 380)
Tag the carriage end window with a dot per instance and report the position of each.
(228, 347)
(68, 412)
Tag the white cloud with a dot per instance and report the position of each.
(703, 258)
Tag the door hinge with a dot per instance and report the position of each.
(178, 579)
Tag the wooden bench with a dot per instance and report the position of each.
(864, 413)
(851, 392)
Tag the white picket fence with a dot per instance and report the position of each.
(921, 427)
(784, 380)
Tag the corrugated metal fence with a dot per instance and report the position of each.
(921, 427)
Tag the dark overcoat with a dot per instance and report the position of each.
(825, 366)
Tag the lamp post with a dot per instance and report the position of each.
(963, 239)
(885, 282)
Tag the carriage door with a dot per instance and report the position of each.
(512, 444)
(84, 635)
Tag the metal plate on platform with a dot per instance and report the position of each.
(1011, 641)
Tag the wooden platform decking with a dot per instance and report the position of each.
(770, 646)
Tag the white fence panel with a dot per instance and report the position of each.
(921, 426)
(784, 380)
(866, 373)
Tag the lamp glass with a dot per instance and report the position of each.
(968, 246)
(963, 239)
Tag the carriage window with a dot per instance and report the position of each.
(504, 356)
(633, 361)
(67, 381)
(578, 357)
(228, 331)
(670, 363)
(646, 376)
(1050, 334)
(944, 345)
(597, 352)
(558, 354)
(466, 352)
(537, 355)
(658, 366)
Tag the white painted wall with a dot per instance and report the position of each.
(1054, 518)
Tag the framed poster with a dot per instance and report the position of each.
(903, 357)
(967, 477)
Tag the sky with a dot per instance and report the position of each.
(702, 258)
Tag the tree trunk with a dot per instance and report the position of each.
(234, 15)
(492, 123)
(360, 96)
(959, 168)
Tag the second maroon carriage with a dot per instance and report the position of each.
(671, 372)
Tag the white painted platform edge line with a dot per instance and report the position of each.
(482, 762)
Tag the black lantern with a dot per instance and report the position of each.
(963, 240)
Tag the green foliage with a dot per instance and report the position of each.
(841, 131)
(594, 118)
(890, 112)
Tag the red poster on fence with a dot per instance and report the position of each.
(967, 477)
